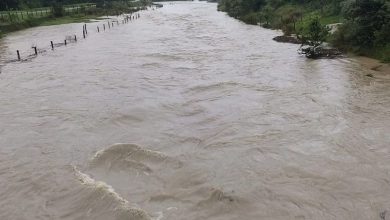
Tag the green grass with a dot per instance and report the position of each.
(16, 16)
(379, 53)
(68, 19)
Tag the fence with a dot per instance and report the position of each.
(17, 16)
(99, 28)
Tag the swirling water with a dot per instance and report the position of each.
(218, 121)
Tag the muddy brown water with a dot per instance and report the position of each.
(216, 121)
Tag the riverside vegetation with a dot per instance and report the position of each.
(20, 14)
(358, 26)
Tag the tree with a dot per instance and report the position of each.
(368, 17)
(58, 8)
(314, 34)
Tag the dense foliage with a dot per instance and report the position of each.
(24, 4)
(365, 27)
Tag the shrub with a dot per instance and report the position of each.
(314, 34)
(58, 9)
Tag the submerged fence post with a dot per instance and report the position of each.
(98, 29)
(75, 38)
(35, 50)
(104, 27)
(52, 45)
(17, 52)
(83, 32)
(108, 24)
(86, 32)
(65, 42)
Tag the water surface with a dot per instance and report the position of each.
(218, 122)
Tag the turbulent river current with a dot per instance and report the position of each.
(188, 114)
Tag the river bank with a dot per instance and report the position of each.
(5, 29)
(348, 31)
(378, 69)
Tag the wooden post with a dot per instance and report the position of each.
(18, 54)
(108, 24)
(35, 50)
(65, 42)
(75, 38)
(86, 32)
(98, 29)
(83, 32)
(104, 27)
(52, 45)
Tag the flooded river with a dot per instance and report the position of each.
(216, 121)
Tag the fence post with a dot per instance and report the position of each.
(98, 29)
(18, 54)
(86, 32)
(35, 50)
(75, 38)
(108, 24)
(65, 42)
(52, 45)
(104, 27)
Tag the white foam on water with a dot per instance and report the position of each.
(87, 180)
(124, 150)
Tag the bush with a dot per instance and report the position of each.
(252, 18)
(288, 29)
(314, 33)
(58, 9)
(385, 53)
(344, 37)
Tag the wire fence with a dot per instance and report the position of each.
(99, 27)
(18, 16)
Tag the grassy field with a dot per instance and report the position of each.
(17, 16)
